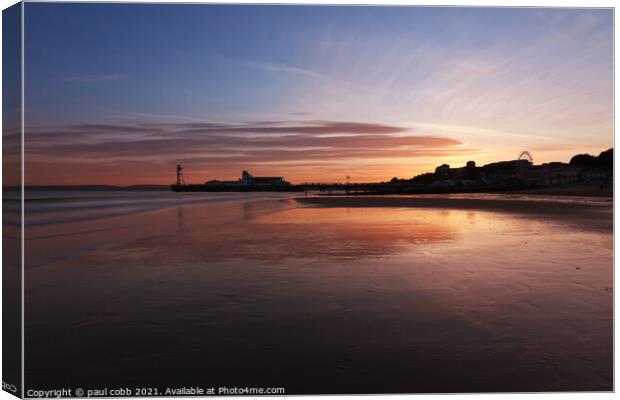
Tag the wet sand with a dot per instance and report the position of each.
(588, 212)
(325, 296)
(588, 190)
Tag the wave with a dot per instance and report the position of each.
(69, 206)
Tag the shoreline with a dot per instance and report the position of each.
(584, 190)
(572, 190)
(593, 215)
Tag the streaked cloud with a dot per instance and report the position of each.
(273, 67)
(97, 133)
(227, 147)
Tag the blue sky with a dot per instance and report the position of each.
(454, 83)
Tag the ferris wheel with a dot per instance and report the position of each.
(525, 155)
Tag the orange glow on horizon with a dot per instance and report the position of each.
(41, 171)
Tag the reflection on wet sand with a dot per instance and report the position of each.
(322, 300)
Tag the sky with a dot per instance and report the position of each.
(121, 93)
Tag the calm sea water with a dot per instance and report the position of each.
(158, 289)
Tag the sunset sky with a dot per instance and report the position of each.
(120, 93)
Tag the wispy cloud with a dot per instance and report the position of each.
(272, 67)
(90, 78)
(203, 129)
(223, 148)
(309, 128)
(271, 133)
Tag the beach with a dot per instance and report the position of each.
(589, 212)
(359, 294)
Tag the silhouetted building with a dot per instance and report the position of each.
(248, 180)
(443, 169)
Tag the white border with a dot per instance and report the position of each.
(477, 3)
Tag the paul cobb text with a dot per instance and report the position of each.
(182, 391)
